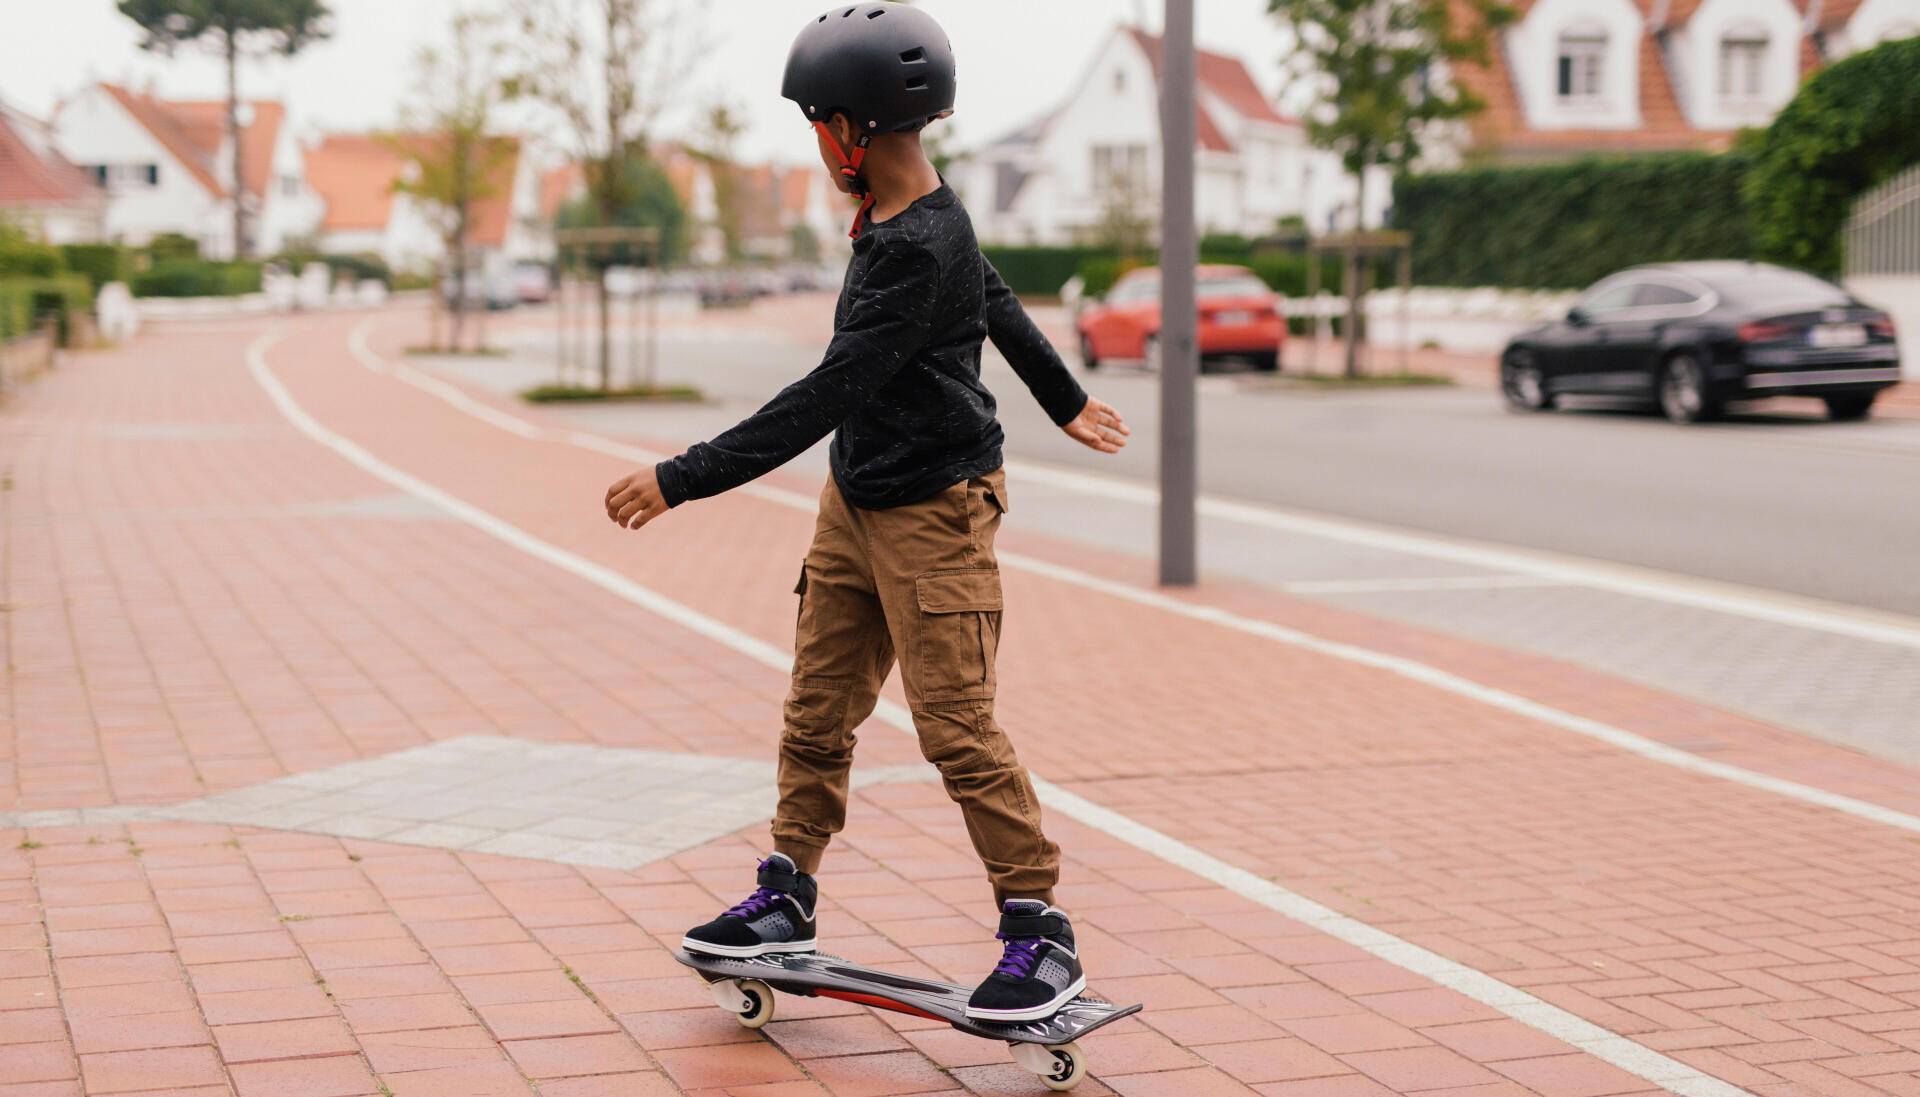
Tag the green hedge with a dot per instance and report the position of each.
(196, 278)
(1039, 269)
(24, 301)
(1852, 125)
(24, 258)
(1285, 271)
(101, 263)
(1562, 226)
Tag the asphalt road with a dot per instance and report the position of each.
(1784, 503)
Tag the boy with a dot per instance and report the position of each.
(902, 561)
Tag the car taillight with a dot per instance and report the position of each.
(1766, 331)
(1881, 326)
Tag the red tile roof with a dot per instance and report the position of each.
(33, 174)
(356, 174)
(206, 125)
(558, 187)
(1228, 79)
(169, 129)
(1502, 127)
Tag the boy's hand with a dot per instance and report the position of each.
(635, 500)
(1098, 426)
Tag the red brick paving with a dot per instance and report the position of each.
(186, 617)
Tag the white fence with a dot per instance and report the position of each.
(1882, 241)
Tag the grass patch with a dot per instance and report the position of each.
(565, 394)
(1365, 381)
(476, 352)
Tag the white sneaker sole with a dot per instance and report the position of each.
(1031, 1013)
(746, 951)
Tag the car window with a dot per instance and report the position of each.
(1606, 298)
(1245, 286)
(1656, 294)
(1134, 289)
(1785, 289)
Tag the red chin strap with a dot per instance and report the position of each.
(850, 169)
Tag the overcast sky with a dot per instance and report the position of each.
(1017, 58)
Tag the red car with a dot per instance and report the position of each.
(1239, 316)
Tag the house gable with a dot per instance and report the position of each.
(1575, 64)
(1736, 62)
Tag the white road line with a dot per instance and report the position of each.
(1451, 582)
(1610, 1047)
(1619, 578)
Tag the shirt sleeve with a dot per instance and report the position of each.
(1029, 353)
(886, 324)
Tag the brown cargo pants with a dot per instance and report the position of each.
(919, 583)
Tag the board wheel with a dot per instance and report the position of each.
(1060, 1068)
(749, 1000)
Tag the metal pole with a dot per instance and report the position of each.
(1179, 254)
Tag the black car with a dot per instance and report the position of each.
(1693, 336)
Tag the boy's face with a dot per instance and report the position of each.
(842, 131)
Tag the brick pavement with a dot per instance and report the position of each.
(201, 599)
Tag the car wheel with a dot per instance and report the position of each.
(1849, 409)
(1150, 353)
(1522, 384)
(1267, 363)
(1684, 396)
(1087, 357)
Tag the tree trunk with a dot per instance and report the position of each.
(606, 342)
(1354, 300)
(459, 289)
(233, 130)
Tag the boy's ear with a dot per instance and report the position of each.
(842, 129)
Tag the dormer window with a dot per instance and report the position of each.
(1583, 57)
(1743, 60)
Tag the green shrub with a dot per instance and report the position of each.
(24, 302)
(1852, 125)
(197, 278)
(1039, 269)
(101, 263)
(16, 307)
(21, 257)
(173, 245)
(1562, 226)
(364, 266)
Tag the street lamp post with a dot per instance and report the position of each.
(1179, 254)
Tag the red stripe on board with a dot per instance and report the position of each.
(878, 1002)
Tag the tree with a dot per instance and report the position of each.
(235, 28)
(454, 161)
(1852, 125)
(655, 205)
(606, 68)
(1374, 69)
(723, 128)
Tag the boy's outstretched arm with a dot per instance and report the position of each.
(1087, 420)
(886, 323)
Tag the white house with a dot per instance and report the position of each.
(167, 167)
(1096, 156)
(357, 178)
(43, 192)
(1573, 77)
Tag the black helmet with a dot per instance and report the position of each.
(885, 66)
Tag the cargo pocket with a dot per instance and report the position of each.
(816, 705)
(959, 634)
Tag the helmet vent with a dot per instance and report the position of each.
(823, 18)
(918, 83)
(848, 12)
(914, 56)
(876, 13)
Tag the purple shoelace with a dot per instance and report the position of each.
(762, 898)
(1017, 960)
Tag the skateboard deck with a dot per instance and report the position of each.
(739, 984)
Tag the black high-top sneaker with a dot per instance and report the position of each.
(1038, 971)
(777, 917)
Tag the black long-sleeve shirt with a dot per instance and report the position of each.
(900, 382)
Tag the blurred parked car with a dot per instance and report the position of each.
(534, 282)
(1239, 316)
(490, 289)
(1693, 336)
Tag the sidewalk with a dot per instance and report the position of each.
(203, 600)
